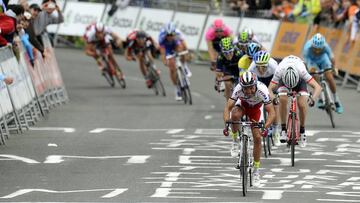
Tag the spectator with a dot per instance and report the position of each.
(46, 17)
(306, 10)
(259, 4)
(24, 37)
(8, 23)
(3, 5)
(7, 79)
(325, 17)
(282, 10)
(239, 5)
(34, 10)
(339, 13)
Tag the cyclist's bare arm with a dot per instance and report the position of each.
(117, 39)
(90, 50)
(228, 107)
(162, 53)
(272, 87)
(211, 50)
(317, 89)
(271, 114)
(128, 54)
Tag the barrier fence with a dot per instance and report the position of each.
(33, 93)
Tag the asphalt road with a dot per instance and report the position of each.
(116, 145)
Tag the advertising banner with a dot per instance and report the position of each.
(123, 21)
(265, 36)
(78, 15)
(152, 20)
(290, 40)
(231, 22)
(343, 53)
(190, 24)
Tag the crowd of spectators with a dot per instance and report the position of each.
(24, 24)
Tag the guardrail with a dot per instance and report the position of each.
(34, 92)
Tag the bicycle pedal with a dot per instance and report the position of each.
(237, 166)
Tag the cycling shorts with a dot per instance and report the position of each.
(322, 62)
(253, 112)
(300, 87)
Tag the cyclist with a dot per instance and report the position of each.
(318, 56)
(246, 60)
(242, 41)
(140, 43)
(171, 40)
(98, 38)
(264, 67)
(226, 65)
(292, 75)
(251, 34)
(247, 99)
(214, 34)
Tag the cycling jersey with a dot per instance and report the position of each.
(269, 73)
(321, 60)
(90, 35)
(134, 47)
(229, 67)
(244, 63)
(211, 36)
(294, 62)
(170, 46)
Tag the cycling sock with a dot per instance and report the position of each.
(302, 129)
(283, 127)
(336, 99)
(256, 164)
(234, 135)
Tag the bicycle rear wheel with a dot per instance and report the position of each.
(244, 166)
(264, 140)
(121, 81)
(328, 105)
(269, 143)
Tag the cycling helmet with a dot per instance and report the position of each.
(218, 24)
(141, 34)
(170, 28)
(226, 45)
(262, 58)
(250, 32)
(99, 27)
(248, 79)
(252, 49)
(318, 41)
(290, 77)
(243, 37)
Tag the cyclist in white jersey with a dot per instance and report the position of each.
(264, 67)
(247, 99)
(293, 75)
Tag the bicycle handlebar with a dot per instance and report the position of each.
(227, 78)
(176, 54)
(246, 123)
(320, 72)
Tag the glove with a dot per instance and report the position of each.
(217, 85)
(310, 101)
(276, 101)
(226, 132)
(265, 132)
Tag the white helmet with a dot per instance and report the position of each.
(99, 27)
(290, 77)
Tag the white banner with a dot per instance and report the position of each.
(78, 15)
(152, 20)
(190, 24)
(231, 22)
(123, 21)
(265, 36)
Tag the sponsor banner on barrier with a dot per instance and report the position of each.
(343, 53)
(54, 27)
(191, 25)
(78, 15)
(5, 104)
(232, 22)
(265, 36)
(290, 40)
(152, 20)
(355, 67)
(322, 30)
(123, 21)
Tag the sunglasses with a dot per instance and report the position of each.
(228, 52)
(219, 30)
(171, 34)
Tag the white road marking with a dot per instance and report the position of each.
(114, 193)
(174, 131)
(25, 191)
(272, 194)
(52, 145)
(19, 158)
(326, 139)
(337, 200)
(66, 130)
(133, 159)
(208, 117)
(101, 130)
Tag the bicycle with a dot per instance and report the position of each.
(154, 76)
(293, 131)
(220, 86)
(329, 105)
(111, 70)
(245, 161)
(183, 82)
(267, 141)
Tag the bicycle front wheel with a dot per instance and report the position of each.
(328, 105)
(244, 166)
(293, 139)
(121, 81)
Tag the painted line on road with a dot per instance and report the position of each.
(174, 131)
(101, 130)
(272, 194)
(66, 130)
(337, 200)
(208, 117)
(134, 159)
(114, 193)
(18, 158)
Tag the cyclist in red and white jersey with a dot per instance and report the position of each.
(293, 75)
(140, 43)
(213, 36)
(98, 39)
(247, 99)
